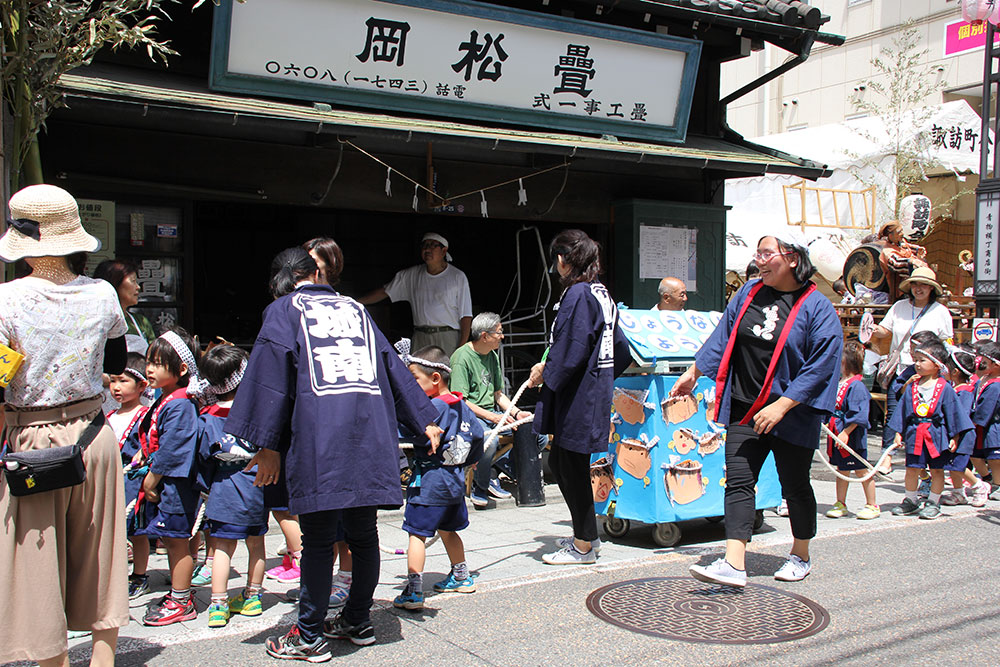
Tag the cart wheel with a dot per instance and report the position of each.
(615, 527)
(714, 519)
(758, 519)
(666, 534)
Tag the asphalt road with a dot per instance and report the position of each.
(898, 591)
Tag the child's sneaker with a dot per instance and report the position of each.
(954, 497)
(168, 611)
(409, 599)
(978, 494)
(929, 510)
(564, 542)
(161, 549)
(906, 508)
(362, 634)
(838, 510)
(250, 605)
(293, 647)
(288, 572)
(339, 594)
(869, 512)
(452, 585)
(995, 493)
(138, 585)
(202, 575)
(571, 556)
(218, 615)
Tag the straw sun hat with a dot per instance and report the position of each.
(924, 275)
(45, 222)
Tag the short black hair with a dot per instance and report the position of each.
(115, 271)
(804, 268)
(854, 357)
(435, 355)
(136, 362)
(935, 350)
(162, 352)
(963, 359)
(924, 338)
(219, 363)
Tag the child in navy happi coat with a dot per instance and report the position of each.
(171, 494)
(986, 415)
(127, 389)
(235, 507)
(435, 496)
(929, 420)
(969, 489)
(850, 423)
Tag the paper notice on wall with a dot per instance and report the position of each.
(668, 251)
(98, 218)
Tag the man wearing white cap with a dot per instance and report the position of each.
(438, 294)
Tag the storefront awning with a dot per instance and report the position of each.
(697, 152)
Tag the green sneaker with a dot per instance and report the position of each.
(929, 510)
(218, 615)
(246, 606)
(906, 508)
(838, 510)
(202, 575)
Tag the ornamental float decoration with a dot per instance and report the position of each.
(978, 11)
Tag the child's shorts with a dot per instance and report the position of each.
(956, 462)
(423, 520)
(991, 454)
(232, 531)
(166, 524)
(844, 462)
(924, 460)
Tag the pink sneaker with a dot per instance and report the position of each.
(288, 572)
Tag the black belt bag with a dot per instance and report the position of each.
(41, 470)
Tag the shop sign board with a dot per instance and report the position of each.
(987, 222)
(459, 59)
(960, 36)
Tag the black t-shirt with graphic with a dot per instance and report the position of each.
(756, 339)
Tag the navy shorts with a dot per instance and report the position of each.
(924, 460)
(991, 454)
(956, 462)
(844, 462)
(232, 531)
(165, 524)
(423, 520)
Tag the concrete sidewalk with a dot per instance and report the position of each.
(504, 545)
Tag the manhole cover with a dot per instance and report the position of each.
(686, 610)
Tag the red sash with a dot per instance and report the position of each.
(841, 394)
(150, 440)
(215, 409)
(139, 414)
(981, 430)
(765, 391)
(924, 427)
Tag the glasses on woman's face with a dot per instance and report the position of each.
(430, 245)
(767, 255)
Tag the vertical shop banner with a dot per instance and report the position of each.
(459, 60)
(98, 217)
(987, 219)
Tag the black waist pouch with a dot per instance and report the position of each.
(41, 470)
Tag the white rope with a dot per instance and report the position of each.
(201, 515)
(128, 508)
(492, 434)
(872, 470)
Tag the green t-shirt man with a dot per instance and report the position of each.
(476, 376)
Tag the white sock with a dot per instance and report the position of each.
(912, 495)
(934, 498)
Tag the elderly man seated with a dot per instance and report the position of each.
(673, 294)
(475, 372)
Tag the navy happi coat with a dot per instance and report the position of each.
(320, 364)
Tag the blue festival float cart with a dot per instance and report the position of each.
(666, 459)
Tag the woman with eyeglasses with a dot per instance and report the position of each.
(587, 351)
(776, 359)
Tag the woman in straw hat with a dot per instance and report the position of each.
(918, 311)
(63, 554)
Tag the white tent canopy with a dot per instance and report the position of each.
(947, 134)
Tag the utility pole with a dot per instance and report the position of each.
(987, 253)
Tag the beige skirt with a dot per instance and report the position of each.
(63, 558)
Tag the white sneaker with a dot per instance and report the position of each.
(978, 494)
(719, 572)
(794, 569)
(782, 508)
(564, 542)
(570, 556)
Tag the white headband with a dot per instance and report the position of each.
(953, 351)
(403, 348)
(930, 356)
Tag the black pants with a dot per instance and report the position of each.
(319, 531)
(745, 455)
(572, 473)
